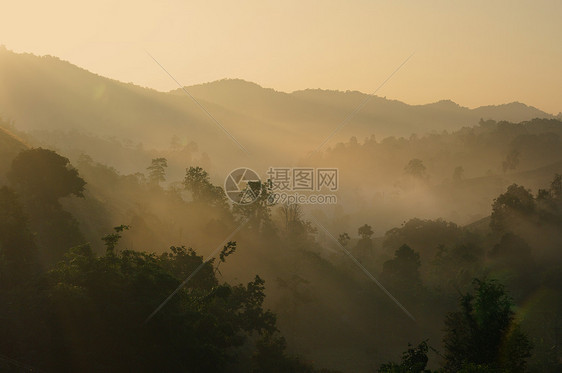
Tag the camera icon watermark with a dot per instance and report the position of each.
(284, 185)
(243, 186)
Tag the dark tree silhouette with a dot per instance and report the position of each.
(511, 161)
(344, 239)
(365, 231)
(511, 207)
(416, 168)
(198, 183)
(157, 170)
(365, 244)
(414, 360)
(402, 271)
(41, 177)
(42, 174)
(17, 246)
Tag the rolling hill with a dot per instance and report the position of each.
(47, 97)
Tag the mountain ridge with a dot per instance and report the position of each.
(443, 102)
(46, 94)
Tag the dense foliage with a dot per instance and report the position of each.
(68, 305)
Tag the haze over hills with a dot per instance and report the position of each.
(412, 180)
(46, 94)
(320, 109)
(75, 112)
(281, 187)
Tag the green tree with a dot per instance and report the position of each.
(414, 360)
(484, 332)
(271, 356)
(454, 267)
(111, 240)
(87, 314)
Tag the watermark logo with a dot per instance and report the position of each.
(300, 185)
(302, 178)
(285, 185)
(243, 186)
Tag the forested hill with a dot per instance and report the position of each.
(45, 94)
(10, 146)
(89, 247)
(317, 108)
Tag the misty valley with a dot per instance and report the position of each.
(130, 242)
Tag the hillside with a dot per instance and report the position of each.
(414, 201)
(316, 111)
(10, 146)
(45, 95)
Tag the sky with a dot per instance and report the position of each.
(472, 52)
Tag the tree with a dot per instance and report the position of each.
(197, 181)
(296, 227)
(454, 267)
(414, 360)
(424, 235)
(157, 170)
(511, 161)
(111, 240)
(41, 177)
(416, 168)
(365, 232)
(514, 251)
(513, 260)
(87, 314)
(556, 186)
(258, 215)
(511, 207)
(402, 271)
(41, 174)
(484, 332)
(292, 216)
(271, 356)
(365, 244)
(344, 239)
(17, 245)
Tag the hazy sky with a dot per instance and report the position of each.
(473, 52)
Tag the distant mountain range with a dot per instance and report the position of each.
(73, 111)
(42, 94)
(380, 116)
